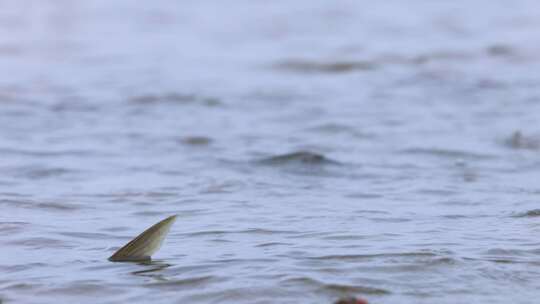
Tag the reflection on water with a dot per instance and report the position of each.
(152, 269)
(312, 150)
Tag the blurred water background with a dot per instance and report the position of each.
(312, 150)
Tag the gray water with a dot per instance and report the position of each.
(413, 128)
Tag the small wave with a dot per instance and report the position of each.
(186, 283)
(300, 157)
(334, 128)
(335, 287)
(52, 206)
(347, 237)
(361, 195)
(175, 98)
(20, 287)
(442, 56)
(21, 267)
(10, 50)
(273, 244)
(362, 257)
(58, 206)
(40, 242)
(43, 173)
(511, 252)
(508, 256)
(519, 141)
(12, 227)
(84, 288)
(225, 186)
(530, 213)
(86, 235)
(500, 50)
(438, 192)
(151, 213)
(391, 220)
(448, 153)
(196, 140)
(245, 294)
(454, 216)
(342, 288)
(329, 67)
(246, 231)
(44, 153)
(73, 106)
(307, 66)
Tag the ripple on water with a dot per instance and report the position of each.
(305, 158)
(50, 153)
(333, 288)
(273, 244)
(185, 284)
(525, 142)
(448, 153)
(150, 213)
(324, 67)
(335, 128)
(196, 141)
(508, 256)
(21, 267)
(40, 243)
(248, 294)
(94, 288)
(130, 194)
(36, 173)
(175, 98)
(36, 205)
(86, 235)
(344, 237)
(252, 231)
(511, 252)
(390, 219)
(365, 257)
(362, 195)
(21, 287)
(13, 227)
(529, 213)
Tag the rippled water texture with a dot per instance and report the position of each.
(311, 149)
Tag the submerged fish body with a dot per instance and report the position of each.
(145, 244)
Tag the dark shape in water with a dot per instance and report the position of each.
(530, 213)
(300, 157)
(351, 300)
(500, 50)
(176, 98)
(196, 140)
(519, 141)
(441, 56)
(145, 244)
(448, 153)
(170, 97)
(306, 66)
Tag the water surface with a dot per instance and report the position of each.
(311, 150)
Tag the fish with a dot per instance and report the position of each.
(145, 244)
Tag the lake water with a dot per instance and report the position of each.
(311, 149)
